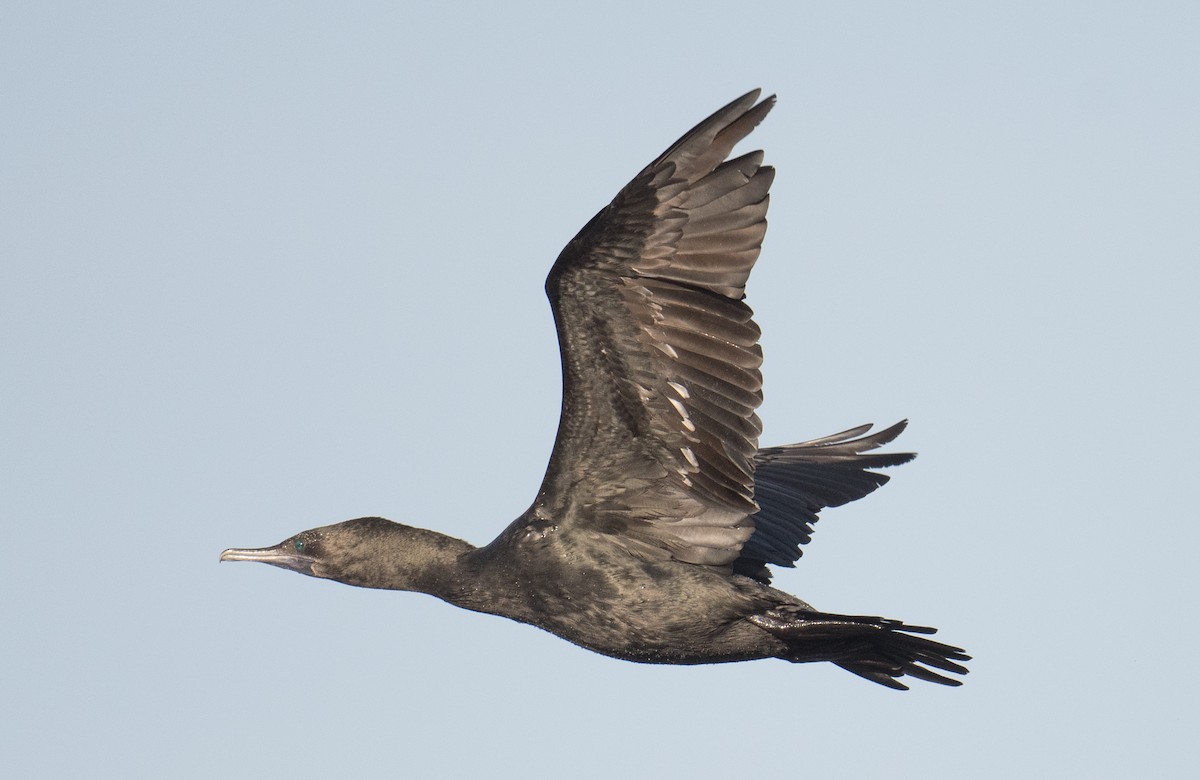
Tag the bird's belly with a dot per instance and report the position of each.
(655, 624)
(607, 601)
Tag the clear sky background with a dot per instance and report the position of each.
(269, 266)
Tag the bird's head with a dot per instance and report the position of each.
(368, 552)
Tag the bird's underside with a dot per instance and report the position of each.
(674, 612)
(653, 529)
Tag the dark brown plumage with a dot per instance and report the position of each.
(651, 534)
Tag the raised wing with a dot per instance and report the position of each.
(793, 483)
(660, 355)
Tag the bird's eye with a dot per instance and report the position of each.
(299, 545)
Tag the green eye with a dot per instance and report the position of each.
(299, 545)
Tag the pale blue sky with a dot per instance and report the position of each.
(265, 267)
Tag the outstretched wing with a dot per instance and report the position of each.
(660, 355)
(793, 483)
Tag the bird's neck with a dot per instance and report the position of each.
(400, 557)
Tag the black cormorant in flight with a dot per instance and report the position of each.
(650, 536)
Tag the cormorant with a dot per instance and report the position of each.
(650, 536)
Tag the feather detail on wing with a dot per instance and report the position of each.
(658, 434)
(793, 483)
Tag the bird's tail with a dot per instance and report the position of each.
(878, 649)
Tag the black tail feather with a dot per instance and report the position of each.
(877, 649)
